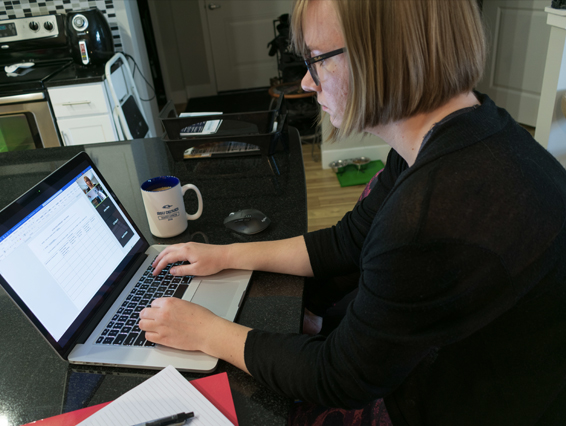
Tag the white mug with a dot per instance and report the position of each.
(165, 206)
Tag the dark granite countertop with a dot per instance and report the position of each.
(35, 383)
(76, 74)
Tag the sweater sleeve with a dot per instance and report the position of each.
(336, 250)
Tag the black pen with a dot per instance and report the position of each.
(177, 419)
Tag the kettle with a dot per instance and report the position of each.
(90, 37)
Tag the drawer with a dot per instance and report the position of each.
(78, 100)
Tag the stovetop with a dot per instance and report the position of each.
(38, 39)
(30, 79)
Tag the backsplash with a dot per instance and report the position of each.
(10, 9)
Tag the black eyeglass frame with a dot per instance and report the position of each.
(309, 62)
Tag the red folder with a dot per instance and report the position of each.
(215, 388)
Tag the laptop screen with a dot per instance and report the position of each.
(62, 246)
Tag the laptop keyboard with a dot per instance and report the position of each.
(124, 328)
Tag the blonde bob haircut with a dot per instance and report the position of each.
(406, 57)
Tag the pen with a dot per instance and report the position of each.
(177, 419)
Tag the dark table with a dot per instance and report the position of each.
(35, 383)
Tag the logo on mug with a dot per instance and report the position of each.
(168, 214)
(166, 206)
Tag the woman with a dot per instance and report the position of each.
(460, 309)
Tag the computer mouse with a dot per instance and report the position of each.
(247, 221)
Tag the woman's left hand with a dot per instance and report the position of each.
(177, 323)
(184, 325)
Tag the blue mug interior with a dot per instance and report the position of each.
(159, 182)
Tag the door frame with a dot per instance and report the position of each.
(209, 89)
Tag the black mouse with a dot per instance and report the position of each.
(247, 221)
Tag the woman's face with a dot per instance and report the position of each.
(322, 34)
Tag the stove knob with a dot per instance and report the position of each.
(48, 26)
(33, 26)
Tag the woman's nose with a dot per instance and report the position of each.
(308, 84)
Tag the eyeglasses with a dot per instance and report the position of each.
(311, 61)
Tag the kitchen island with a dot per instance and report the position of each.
(36, 383)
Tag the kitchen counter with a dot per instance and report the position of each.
(36, 383)
(76, 74)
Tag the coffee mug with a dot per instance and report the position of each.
(165, 206)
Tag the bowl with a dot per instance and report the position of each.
(360, 162)
(338, 166)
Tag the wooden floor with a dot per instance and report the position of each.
(327, 202)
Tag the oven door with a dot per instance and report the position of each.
(26, 122)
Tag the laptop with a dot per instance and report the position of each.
(77, 266)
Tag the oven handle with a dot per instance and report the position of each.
(30, 97)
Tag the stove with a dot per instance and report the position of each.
(40, 44)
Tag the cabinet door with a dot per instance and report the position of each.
(85, 130)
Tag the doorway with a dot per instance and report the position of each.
(205, 47)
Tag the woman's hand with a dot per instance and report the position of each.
(177, 323)
(205, 259)
(184, 325)
(312, 324)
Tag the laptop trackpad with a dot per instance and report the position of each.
(216, 296)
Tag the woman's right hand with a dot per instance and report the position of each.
(204, 259)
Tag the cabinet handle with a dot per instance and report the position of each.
(65, 139)
(75, 103)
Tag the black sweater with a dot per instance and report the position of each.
(460, 317)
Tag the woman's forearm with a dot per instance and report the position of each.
(287, 256)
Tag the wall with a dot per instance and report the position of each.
(123, 18)
(179, 28)
(11, 9)
(551, 123)
(357, 145)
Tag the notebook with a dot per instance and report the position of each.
(70, 258)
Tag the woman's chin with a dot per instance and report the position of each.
(335, 122)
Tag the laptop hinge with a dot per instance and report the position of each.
(107, 304)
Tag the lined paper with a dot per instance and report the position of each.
(164, 394)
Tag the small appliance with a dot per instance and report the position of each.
(90, 37)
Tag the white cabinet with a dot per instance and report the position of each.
(88, 129)
(83, 113)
